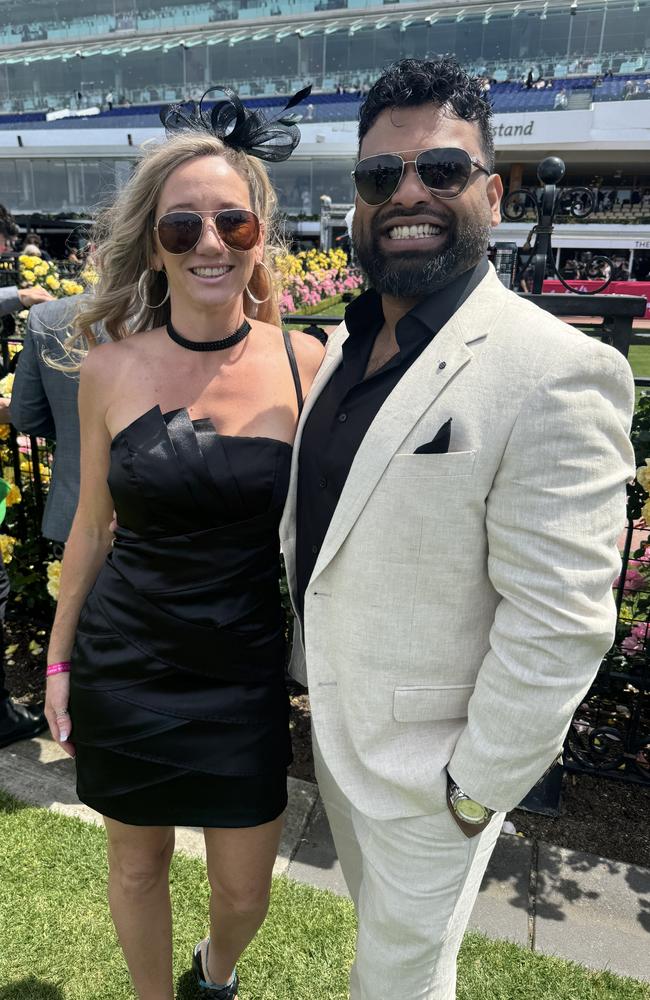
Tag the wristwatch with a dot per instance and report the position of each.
(465, 808)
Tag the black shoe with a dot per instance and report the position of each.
(208, 989)
(17, 722)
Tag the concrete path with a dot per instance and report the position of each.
(549, 899)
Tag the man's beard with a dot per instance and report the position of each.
(414, 274)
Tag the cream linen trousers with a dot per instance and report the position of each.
(413, 882)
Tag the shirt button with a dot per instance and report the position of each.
(322, 482)
(342, 417)
(314, 550)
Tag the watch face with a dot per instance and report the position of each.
(470, 811)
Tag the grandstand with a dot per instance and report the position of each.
(570, 77)
(141, 51)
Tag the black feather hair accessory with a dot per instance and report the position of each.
(269, 138)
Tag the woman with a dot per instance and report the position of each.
(178, 711)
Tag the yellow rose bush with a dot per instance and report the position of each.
(36, 271)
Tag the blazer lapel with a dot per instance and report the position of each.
(411, 397)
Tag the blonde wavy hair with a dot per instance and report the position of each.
(124, 246)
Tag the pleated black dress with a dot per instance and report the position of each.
(178, 701)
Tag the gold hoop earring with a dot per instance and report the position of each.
(141, 286)
(255, 301)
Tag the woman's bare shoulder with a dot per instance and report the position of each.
(309, 353)
(105, 360)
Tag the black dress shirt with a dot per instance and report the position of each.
(349, 403)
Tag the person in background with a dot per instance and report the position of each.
(44, 403)
(571, 269)
(621, 271)
(74, 255)
(561, 101)
(604, 270)
(33, 243)
(12, 298)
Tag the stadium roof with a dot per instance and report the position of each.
(234, 32)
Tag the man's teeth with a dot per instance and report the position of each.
(413, 232)
(210, 272)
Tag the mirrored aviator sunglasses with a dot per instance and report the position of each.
(445, 172)
(179, 232)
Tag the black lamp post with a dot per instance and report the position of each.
(577, 201)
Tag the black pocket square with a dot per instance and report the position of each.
(440, 443)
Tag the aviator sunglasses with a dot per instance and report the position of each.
(445, 172)
(179, 232)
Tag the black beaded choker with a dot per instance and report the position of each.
(210, 345)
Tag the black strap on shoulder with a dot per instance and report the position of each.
(293, 364)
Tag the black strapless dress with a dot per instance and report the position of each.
(178, 701)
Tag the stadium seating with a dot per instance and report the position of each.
(506, 98)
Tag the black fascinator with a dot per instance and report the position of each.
(272, 138)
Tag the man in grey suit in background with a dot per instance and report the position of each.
(44, 403)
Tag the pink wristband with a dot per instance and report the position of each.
(58, 668)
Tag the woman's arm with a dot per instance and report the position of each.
(90, 536)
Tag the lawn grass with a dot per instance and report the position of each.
(336, 312)
(57, 940)
(639, 358)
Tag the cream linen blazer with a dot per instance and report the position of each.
(461, 604)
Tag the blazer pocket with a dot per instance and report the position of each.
(431, 704)
(453, 463)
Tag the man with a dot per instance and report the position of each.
(450, 534)
(17, 722)
(561, 101)
(44, 403)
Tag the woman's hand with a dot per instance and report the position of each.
(57, 695)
